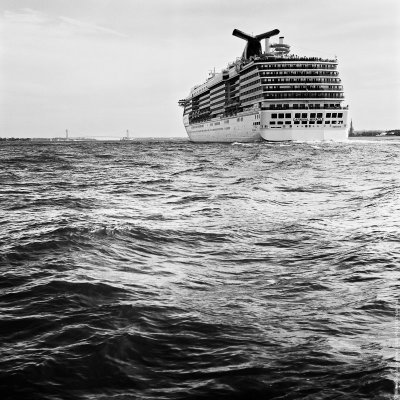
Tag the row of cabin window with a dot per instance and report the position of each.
(257, 116)
(218, 89)
(303, 94)
(250, 91)
(306, 80)
(247, 77)
(289, 73)
(304, 115)
(300, 87)
(249, 99)
(303, 106)
(297, 73)
(220, 96)
(305, 122)
(250, 84)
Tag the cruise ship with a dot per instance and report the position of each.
(268, 95)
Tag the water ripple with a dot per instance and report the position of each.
(168, 270)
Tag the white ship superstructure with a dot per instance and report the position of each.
(270, 95)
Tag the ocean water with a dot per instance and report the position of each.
(172, 270)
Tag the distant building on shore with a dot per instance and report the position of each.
(127, 136)
(351, 130)
(393, 132)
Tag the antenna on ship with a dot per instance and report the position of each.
(253, 46)
(281, 48)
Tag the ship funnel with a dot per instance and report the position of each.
(266, 46)
(253, 46)
(281, 39)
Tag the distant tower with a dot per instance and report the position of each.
(127, 134)
(351, 130)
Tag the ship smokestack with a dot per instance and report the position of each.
(253, 45)
(281, 39)
(267, 48)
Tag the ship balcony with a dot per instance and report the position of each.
(296, 67)
(303, 74)
(302, 89)
(301, 81)
(303, 95)
(303, 106)
(232, 104)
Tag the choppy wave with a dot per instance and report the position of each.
(168, 270)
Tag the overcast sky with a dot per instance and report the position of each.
(100, 67)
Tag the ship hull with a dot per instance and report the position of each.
(226, 130)
(338, 134)
(255, 127)
(245, 137)
(214, 136)
(283, 135)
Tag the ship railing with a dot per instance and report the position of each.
(293, 57)
(277, 107)
(321, 72)
(243, 62)
(306, 94)
(298, 89)
(298, 66)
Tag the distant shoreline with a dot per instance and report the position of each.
(157, 139)
(386, 137)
